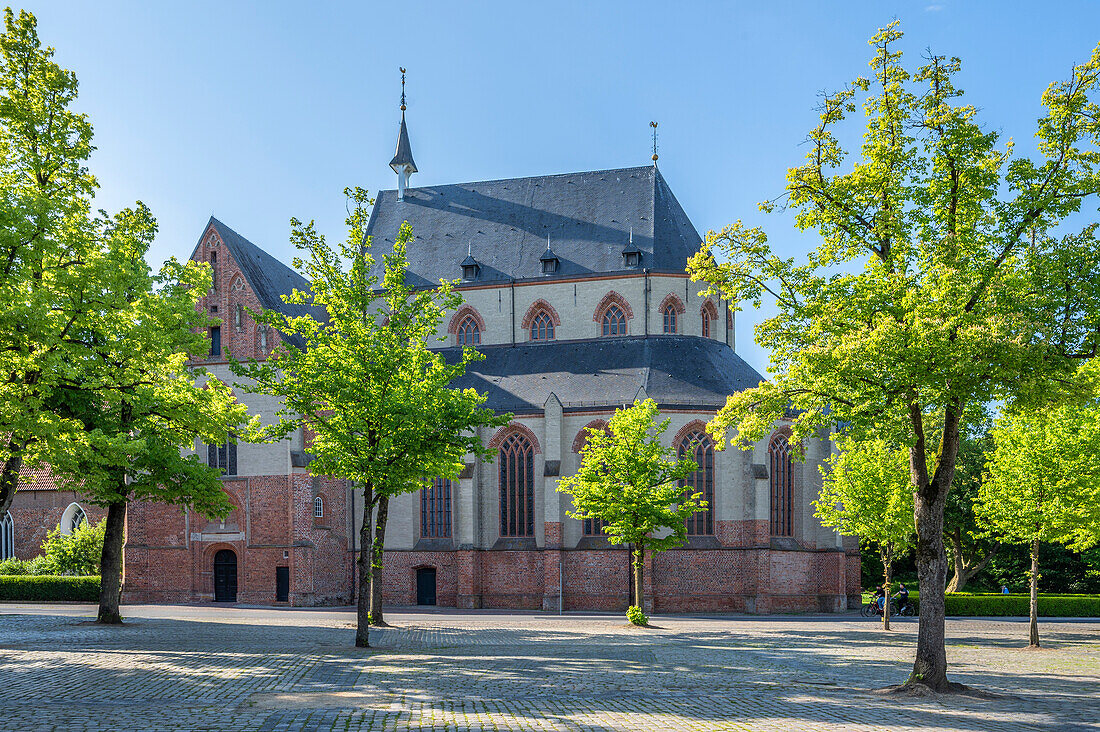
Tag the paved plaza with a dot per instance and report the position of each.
(233, 668)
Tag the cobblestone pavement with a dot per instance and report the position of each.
(233, 668)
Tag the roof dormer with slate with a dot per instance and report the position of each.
(503, 225)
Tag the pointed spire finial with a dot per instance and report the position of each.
(654, 126)
(402, 88)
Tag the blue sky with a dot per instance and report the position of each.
(256, 112)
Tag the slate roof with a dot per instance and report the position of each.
(268, 277)
(588, 216)
(683, 371)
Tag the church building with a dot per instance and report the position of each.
(574, 288)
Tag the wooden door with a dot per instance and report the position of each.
(425, 586)
(225, 576)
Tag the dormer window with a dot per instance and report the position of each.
(632, 256)
(470, 268)
(549, 260)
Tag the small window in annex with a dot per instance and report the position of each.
(216, 341)
(670, 318)
(542, 327)
(318, 507)
(614, 321)
(468, 332)
(7, 537)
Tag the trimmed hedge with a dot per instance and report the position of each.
(998, 605)
(48, 588)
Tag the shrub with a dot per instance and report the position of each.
(77, 553)
(635, 615)
(48, 588)
(36, 566)
(993, 604)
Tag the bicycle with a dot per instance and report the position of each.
(872, 609)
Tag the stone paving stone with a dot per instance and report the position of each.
(251, 670)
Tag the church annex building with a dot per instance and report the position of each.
(575, 291)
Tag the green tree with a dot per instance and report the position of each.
(137, 398)
(924, 298)
(866, 493)
(49, 253)
(367, 386)
(1043, 484)
(628, 482)
(968, 553)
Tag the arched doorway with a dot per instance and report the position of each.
(225, 576)
(425, 586)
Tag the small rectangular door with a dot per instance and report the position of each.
(282, 584)
(425, 586)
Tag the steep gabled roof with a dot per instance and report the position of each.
(268, 277)
(676, 371)
(504, 224)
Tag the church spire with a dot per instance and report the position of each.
(402, 162)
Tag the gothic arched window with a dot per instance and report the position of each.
(614, 321)
(468, 332)
(706, 324)
(670, 318)
(517, 486)
(263, 338)
(72, 518)
(318, 507)
(782, 485)
(435, 510)
(698, 447)
(542, 327)
(7, 537)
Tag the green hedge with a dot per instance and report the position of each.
(48, 588)
(995, 604)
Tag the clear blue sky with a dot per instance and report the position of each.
(256, 112)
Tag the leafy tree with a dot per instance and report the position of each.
(628, 482)
(1044, 484)
(49, 254)
(969, 554)
(76, 553)
(924, 298)
(139, 401)
(366, 385)
(866, 493)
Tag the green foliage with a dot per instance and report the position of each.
(48, 588)
(636, 617)
(628, 480)
(35, 565)
(76, 553)
(1043, 482)
(997, 605)
(364, 381)
(866, 493)
(938, 286)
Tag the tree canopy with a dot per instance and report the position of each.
(938, 284)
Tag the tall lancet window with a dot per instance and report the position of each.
(782, 485)
(517, 486)
(670, 318)
(698, 446)
(468, 332)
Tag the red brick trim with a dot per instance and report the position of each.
(709, 310)
(582, 436)
(537, 307)
(692, 426)
(729, 319)
(674, 300)
(503, 433)
(460, 315)
(612, 298)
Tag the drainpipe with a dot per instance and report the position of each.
(513, 311)
(646, 272)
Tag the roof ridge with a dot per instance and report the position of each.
(527, 177)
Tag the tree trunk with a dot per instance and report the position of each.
(929, 499)
(362, 615)
(110, 564)
(377, 548)
(639, 569)
(887, 570)
(1034, 611)
(9, 477)
(964, 571)
(630, 597)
